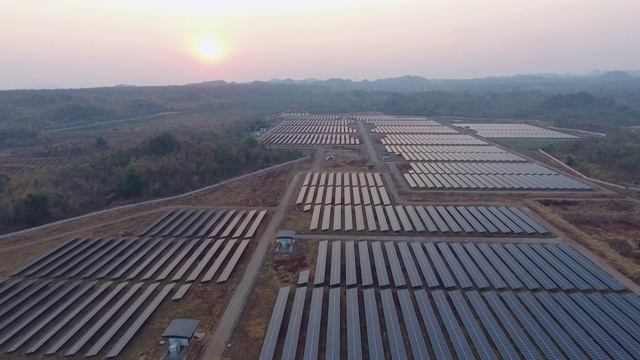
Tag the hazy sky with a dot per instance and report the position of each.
(82, 43)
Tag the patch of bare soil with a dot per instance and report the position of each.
(608, 228)
(278, 270)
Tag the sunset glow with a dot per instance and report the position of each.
(155, 42)
(209, 49)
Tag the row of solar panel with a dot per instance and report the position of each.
(413, 129)
(342, 178)
(425, 139)
(206, 223)
(515, 131)
(309, 117)
(145, 259)
(87, 312)
(481, 168)
(286, 128)
(476, 157)
(442, 219)
(398, 149)
(404, 122)
(494, 181)
(309, 139)
(317, 122)
(447, 324)
(339, 195)
(464, 265)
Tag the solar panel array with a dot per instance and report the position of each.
(413, 129)
(206, 223)
(309, 117)
(480, 176)
(467, 220)
(515, 131)
(139, 258)
(471, 300)
(310, 139)
(425, 139)
(403, 149)
(74, 317)
(313, 129)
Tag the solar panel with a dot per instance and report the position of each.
(271, 338)
(350, 263)
(603, 320)
(487, 268)
(505, 220)
(511, 326)
(135, 258)
(356, 195)
(394, 333)
(187, 223)
(616, 314)
(425, 267)
(122, 257)
(233, 261)
(46, 307)
(540, 276)
(244, 224)
(534, 224)
(382, 220)
(374, 336)
(30, 303)
(613, 284)
(167, 255)
(478, 338)
(61, 323)
(417, 224)
(496, 334)
(168, 220)
(468, 264)
(456, 269)
(321, 263)
(493, 219)
(416, 339)
(207, 215)
(516, 220)
(426, 219)
(548, 324)
(561, 268)
(337, 217)
(205, 230)
(97, 325)
(18, 297)
(514, 266)
(410, 266)
(456, 336)
(451, 223)
(232, 224)
(460, 219)
(221, 224)
(137, 324)
(381, 269)
(313, 327)
(359, 218)
(180, 273)
(354, 343)
(442, 226)
(293, 329)
(582, 338)
(529, 324)
(219, 260)
(333, 324)
(255, 225)
(336, 264)
(577, 268)
(175, 223)
(91, 260)
(365, 264)
(348, 219)
(76, 253)
(591, 327)
(371, 221)
(182, 290)
(394, 262)
(155, 223)
(326, 217)
(443, 272)
(177, 259)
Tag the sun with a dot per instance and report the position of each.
(209, 49)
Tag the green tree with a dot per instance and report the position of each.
(37, 209)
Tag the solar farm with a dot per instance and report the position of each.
(364, 256)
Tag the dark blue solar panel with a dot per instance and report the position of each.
(394, 334)
(472, 269)
(532, 269)
(514, 266)
(486, 267)
(425, 266)
(443, 272)
(478, 338)
(437, 339)
(373, 325)
(456, 336)
(545, 268)
(418, 346)
(456, 269)
(354, 344)
(365, 264)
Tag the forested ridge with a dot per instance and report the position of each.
(159, 166)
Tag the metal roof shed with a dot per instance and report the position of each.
(181, 329)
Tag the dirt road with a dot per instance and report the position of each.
(217, 341)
